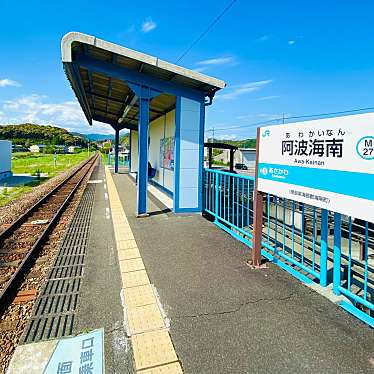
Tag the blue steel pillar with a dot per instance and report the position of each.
(116, 149)
(145, 94)
(143, 152)
(324, 247)
(337, 252)
(130, 151)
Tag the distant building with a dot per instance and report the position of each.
(61, 148)
(72, 148)
(106, 143)
(5, 159)
(37, 148)
(124, 153)
(19, 148)
(246, 156)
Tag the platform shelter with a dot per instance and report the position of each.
(161, 104)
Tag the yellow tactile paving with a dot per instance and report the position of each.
(126, 244)
(144, 318)
(174, 368)
(153, 349)
(121, 235)
(128, 254)
(139, 296)
(125, 228)
(117, 209)
(134, 264)
(117, 218)
(134, 278)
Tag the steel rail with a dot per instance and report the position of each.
(13, 282)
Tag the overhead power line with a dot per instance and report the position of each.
(282, 119)
(210, 26)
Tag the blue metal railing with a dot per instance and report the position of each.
(228, 198)
(354, 265)
(121, 160)
(309, 242)
(298, 234)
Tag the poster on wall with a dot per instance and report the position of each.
(167, 153)
(327, 163)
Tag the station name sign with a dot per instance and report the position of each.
(328, 163)
(78, 354)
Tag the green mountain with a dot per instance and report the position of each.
(28, 134)
(95, 137)
(244, 143)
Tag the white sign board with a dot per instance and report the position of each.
(328, 163)
(78, 354)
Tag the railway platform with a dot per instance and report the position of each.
(174, 294)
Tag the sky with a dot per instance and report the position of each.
(278, 58)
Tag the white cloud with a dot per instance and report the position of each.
(217, 61)
(36, 109)
(291, 42)
(263, 98)
(262, 38)
(238, 90)
(227, 137)
(148, 25)
(261, 117)
(8, 82)
(201, 69)
(271, 117)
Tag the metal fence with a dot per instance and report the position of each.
(311, 243)
(354, 265)
(298, 234)
(229, 199)
(122, 161)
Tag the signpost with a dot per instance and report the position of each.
(257, 213)
(79, 354)
(328, 163)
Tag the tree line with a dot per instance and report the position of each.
(27, 134)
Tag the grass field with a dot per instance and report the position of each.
(34, 163)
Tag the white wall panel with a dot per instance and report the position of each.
(5, 156)
(189, 153)
(134, 151)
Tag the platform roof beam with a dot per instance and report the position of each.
(99, 69)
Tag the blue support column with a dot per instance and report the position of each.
(337, 252)
(145, 95)
(143, 154)
(116, 150)
(130, 151)
(324, 247)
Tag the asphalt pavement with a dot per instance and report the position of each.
(227, 318)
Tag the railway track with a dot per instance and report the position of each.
(22, 240)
